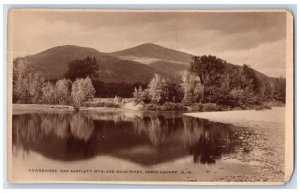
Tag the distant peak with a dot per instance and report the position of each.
(149, 44)
(63, 48)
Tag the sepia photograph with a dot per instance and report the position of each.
(194, 97)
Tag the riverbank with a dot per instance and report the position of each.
(25, 108)
(258, 138)
(264, 131)
(35, 108)
(99, 104)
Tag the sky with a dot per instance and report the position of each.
(254, 38)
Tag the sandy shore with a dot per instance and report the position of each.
(263, 132)
(247, 118)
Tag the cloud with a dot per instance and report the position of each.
(257, 38)
(269, 58)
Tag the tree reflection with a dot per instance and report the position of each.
(161, 136)
(208, 140)
(205, 140)
(81, 127)
(35, 131)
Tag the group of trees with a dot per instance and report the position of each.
(112, 89)
(157, 91)
(192, 88)
(32, 87)
(213, 80)
(208, 80)
(160, 91)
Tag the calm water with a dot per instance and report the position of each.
(146, 138)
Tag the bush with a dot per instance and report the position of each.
(169, 106)
(262, 107)
(101, 104)
(118, 100)
(152, 107)
(210, 107)
(197, 107)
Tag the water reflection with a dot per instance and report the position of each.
(146, 138)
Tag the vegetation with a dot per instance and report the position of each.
(31, 87)
(213, 84)
(168, 106)
(87, 67)
(27, 86)
(192, 88)
(209, 84)
(279, 90)
(63, 88)
(101, 103)
(82, 90)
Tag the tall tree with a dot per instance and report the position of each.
(35, 86)
(208, 68)
(192, 88)
(88, 88)
(87, 67)
(63, 91)
(280, 89)
(49, 93)
(158, 89)
(138, 95)
(21, 68)
(82, 90)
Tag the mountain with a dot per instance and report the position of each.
(137, 64)
(169, 69)
(53, 63)
(152, 52)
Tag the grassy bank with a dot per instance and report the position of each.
(128, 103)
(24, 108)
(200, 107)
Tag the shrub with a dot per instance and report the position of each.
(152, 107)
(262, 107)
(197, 107)
(117, 100)
(169, 106)
(101, 104)
(210, 107)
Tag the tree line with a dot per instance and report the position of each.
(32, 87)
(212, 80)
(208, 80)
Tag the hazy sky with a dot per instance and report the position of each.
(257, 39)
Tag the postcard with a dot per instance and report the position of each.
(194, 97)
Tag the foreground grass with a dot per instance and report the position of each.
(128, 103)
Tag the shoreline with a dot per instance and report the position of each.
(265, 131)
(245, 118)
(261, 134)
(19, 108)
(30, 108)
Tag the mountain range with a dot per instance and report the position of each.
(136, 64)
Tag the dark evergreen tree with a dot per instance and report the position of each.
(87, 67)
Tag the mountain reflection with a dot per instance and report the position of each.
(146, 138)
